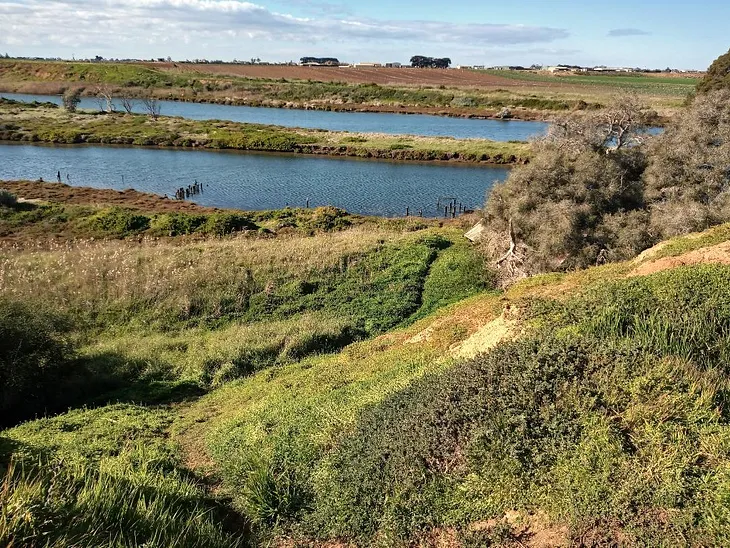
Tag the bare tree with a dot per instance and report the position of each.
(623, 123)
(105, 98)
(127, 103)
(152, 106)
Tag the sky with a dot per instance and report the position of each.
(636, 33)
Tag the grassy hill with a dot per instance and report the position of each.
(356, 383)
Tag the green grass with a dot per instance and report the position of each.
(650, 84)
(611, 412)
(104, 477)
(241, 358)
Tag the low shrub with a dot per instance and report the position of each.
(120, 222)
(7, 199)
(595, 419)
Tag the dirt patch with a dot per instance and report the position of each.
(528, 530)
(487, 337)
(133, 199)
(718, 254)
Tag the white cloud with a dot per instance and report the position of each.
(123, 26)
(618, 33)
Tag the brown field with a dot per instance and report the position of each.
(381, 76)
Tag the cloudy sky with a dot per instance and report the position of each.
(647, 33)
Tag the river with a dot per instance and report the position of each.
(361, 122)
(257, 181)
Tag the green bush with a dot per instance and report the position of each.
(596, 418)
(328, 218)
(7, 199)
(120, 222)
(504, 414)
(34, 356)
(220, 224)
(177, 224)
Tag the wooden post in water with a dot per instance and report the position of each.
(446, 212)
(407, 211)
(420, 213)
(307, 203)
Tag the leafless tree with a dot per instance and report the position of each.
(105, 98)
(127, 103)
(623, 123)
(152, 106)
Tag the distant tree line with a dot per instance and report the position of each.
(419, 61)
(319, 61)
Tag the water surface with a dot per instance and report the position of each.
(257, 181)
(363, 122)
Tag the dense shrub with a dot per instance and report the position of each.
(596, 420)
(71, 99)
(117, 221)
(219, 224)
(506, 413)
(688, 178)
(34, 355)
(7, 199)
(717, 76)
(566, 207)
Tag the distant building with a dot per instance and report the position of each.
(559, 68)
(508, 67)
(393, 65)
(367, 65)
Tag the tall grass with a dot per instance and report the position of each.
(104, 478)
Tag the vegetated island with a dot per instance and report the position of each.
(46, 123)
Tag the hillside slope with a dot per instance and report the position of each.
(587, 408)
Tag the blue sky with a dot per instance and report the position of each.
(646, 33)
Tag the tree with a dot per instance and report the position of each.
(579, 201)
(152, 106)
(105, 98)
(688, 177)
(717, 76)
(127, 102)
(420, 61)
(71, 99)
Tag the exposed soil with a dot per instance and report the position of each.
(718, 254)
(133, 199)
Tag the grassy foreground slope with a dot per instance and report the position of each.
(227, 404)
(599, 418)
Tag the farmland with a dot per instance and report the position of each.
(452, 92)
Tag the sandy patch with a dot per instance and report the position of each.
(717, 254)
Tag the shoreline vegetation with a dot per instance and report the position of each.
(526, 95)
(55, 212)
(46, 123)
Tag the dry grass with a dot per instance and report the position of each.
(93, 275)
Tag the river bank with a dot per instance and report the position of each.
(23, 122)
